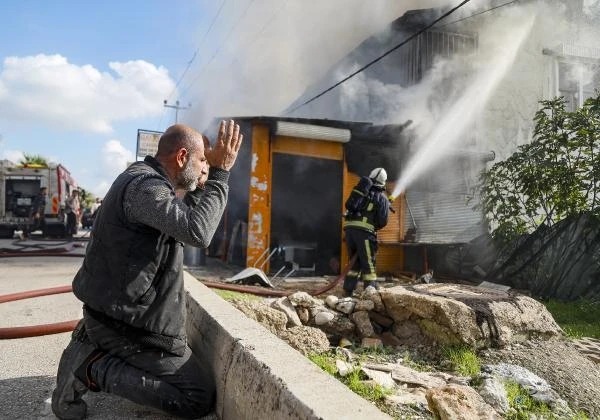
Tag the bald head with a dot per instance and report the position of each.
(181, 153)
(178, 137)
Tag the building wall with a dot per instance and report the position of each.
(507, 120)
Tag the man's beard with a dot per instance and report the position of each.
(187, 179)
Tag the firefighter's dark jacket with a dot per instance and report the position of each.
(375, 216)
(131, 279)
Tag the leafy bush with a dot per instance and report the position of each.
(555, 176)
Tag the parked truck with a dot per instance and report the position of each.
(19, 184)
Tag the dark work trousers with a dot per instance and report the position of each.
(71, 223)
(364, 245)
(177, 385)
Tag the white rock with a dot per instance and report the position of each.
(345, 306)
(342, 367)
(323, 318)
(331, 301)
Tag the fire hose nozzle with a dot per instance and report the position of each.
(391, 199)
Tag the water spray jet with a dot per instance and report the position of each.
(463, 111)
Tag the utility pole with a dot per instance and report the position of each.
(176, 107)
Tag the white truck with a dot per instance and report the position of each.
(19, 184)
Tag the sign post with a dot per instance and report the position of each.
(147, 143)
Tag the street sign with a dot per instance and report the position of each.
(147, 143)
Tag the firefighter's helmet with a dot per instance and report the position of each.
(378, 176)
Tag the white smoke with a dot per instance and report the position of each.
(269, 59)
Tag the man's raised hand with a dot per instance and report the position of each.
(225, 150)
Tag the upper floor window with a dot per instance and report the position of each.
(577, 73)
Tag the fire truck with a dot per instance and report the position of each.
(19, 184)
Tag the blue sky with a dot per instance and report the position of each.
(48, 50)
(79, 78)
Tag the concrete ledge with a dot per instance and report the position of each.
(258, 375)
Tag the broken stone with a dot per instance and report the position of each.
(340, 325)
(406, 375)
(459, 402)
(460, 314)
(406, 330)
(369, 342)
(284, 305)
(305, 339)
(412, 396)
(345, 305)
(331, 301)
(343, 368)
(364, 305)
(538, 388)
(390, 340)
(323, 317)
(382, 378)
(270, 318)
(380, 319)
(303, 314)
(363, 324)
(373, 295)
(303, 300)
(493, 392)
(388, 367)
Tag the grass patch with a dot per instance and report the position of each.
(578, 319)
(353, 380)
(231, 295)
(464, 360)
(523, 405)
(325, 361)
(372, 392)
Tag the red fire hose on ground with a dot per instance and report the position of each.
(66, 326)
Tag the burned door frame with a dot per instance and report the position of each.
(260, 198)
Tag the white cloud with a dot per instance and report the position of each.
(49, 89)
(114, 159)
(12, 155)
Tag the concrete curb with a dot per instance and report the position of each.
(258, 375)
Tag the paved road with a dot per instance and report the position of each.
(28, 365)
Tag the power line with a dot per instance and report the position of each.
(479, 13)
(189, 64)
(381, 57)
(198, 49)
(201, 72)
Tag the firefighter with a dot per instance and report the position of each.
(367, 212)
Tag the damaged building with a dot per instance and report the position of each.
(288, 188)
(295, 170)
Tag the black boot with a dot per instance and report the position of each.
(72, 379)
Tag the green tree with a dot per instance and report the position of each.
(33, 160)
(555, 176)
(86, 197)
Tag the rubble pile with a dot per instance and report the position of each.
(426, 314)
(427, 317)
